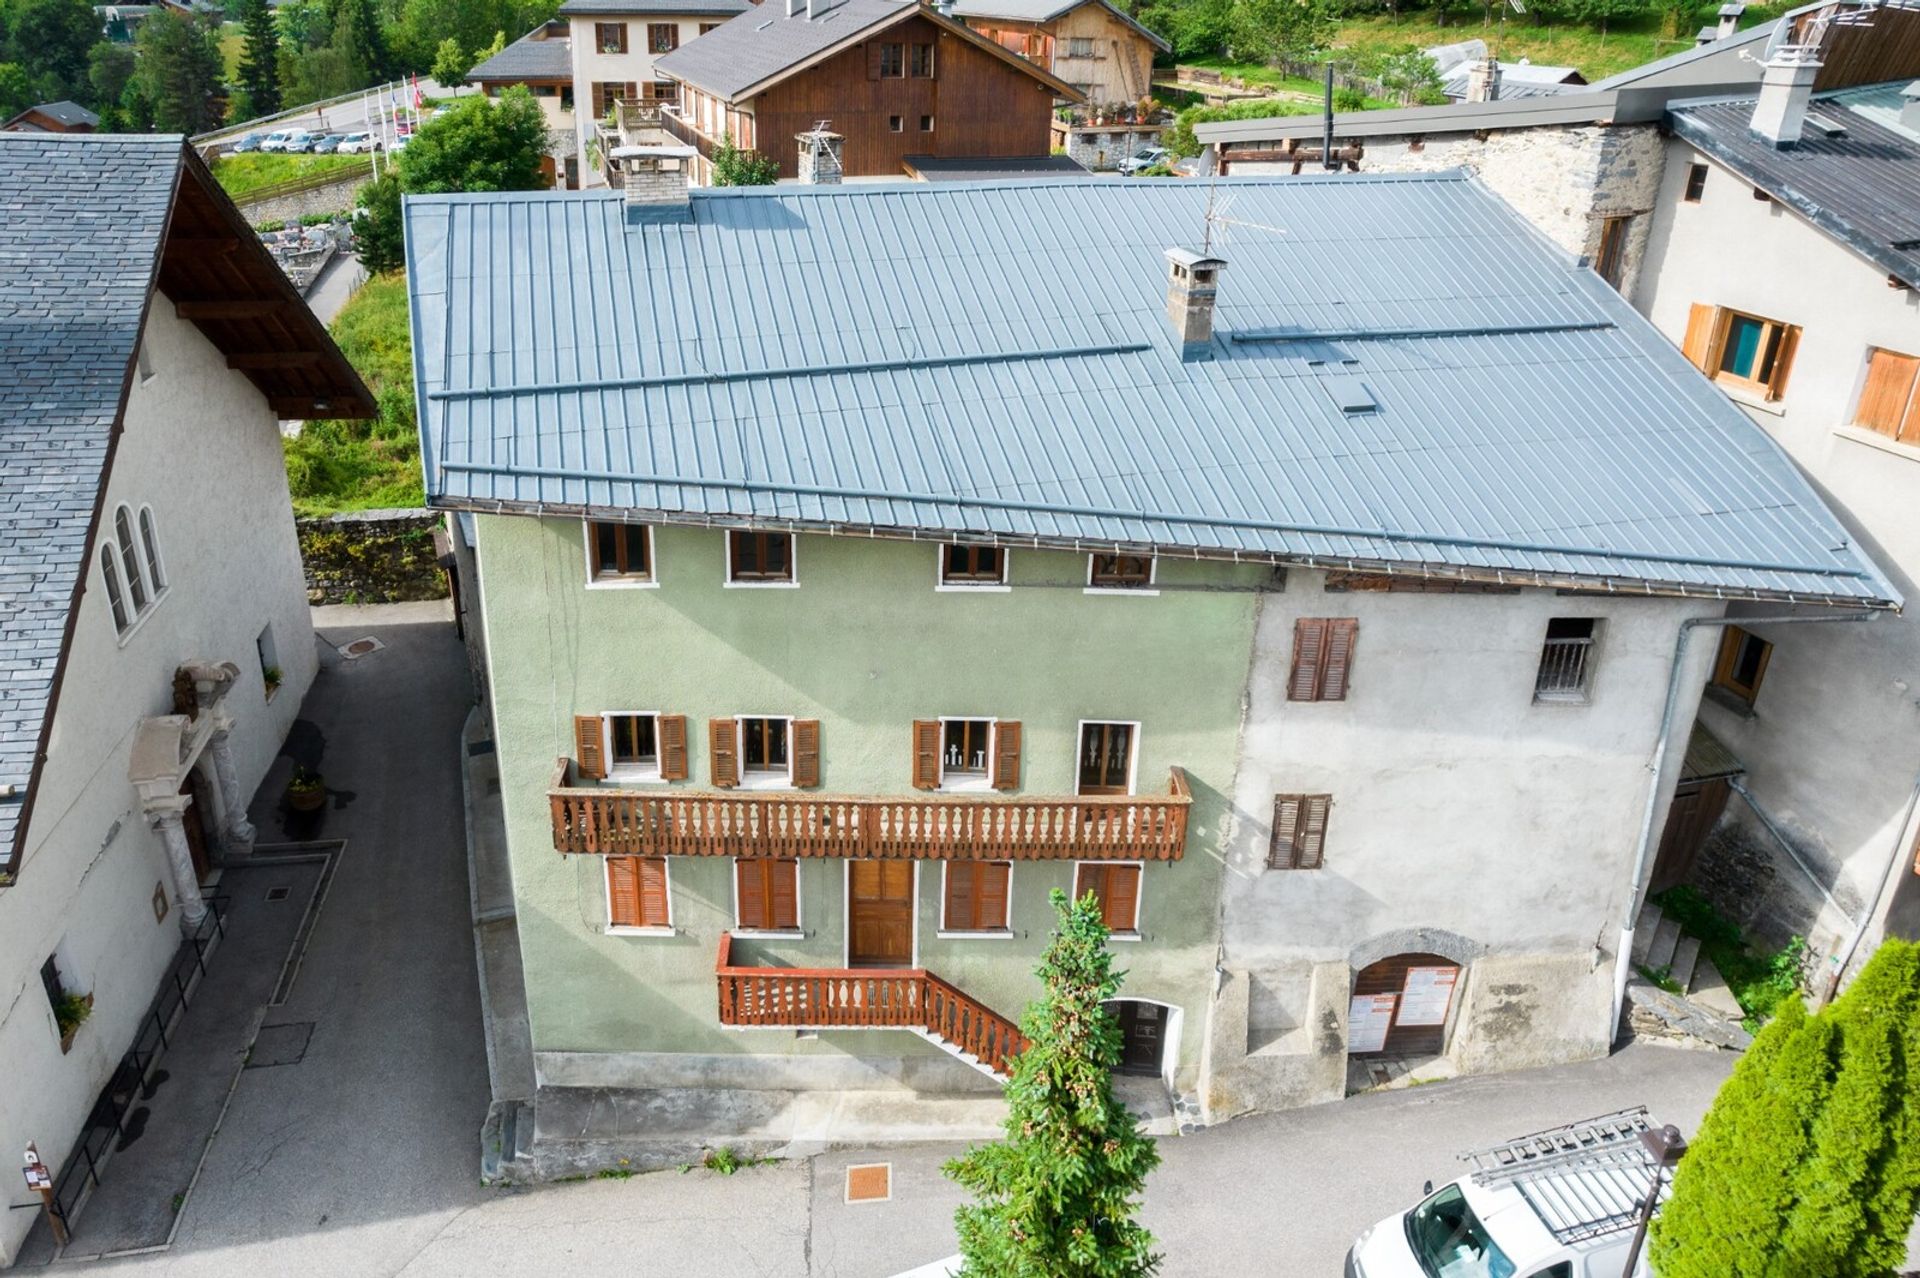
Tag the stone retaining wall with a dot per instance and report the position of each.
(372, 556)
(334, 197)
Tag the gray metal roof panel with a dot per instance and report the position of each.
(1022, 381)
(81, 220)
(1582, 104)
(763, 41)
(533, 56)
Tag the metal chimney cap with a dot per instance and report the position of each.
(664, 152)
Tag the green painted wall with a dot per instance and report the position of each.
(866, 645)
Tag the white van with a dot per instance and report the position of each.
(1564, 1203)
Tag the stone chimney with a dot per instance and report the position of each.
(794, 7)
(819, 156)
(1910, 106)
(655, 181)
(1786, 87)
(1483, 81)
(1706, 37)
(1192, 282)
(1729, 20)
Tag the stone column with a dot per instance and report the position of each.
(239, 834)
(168, 818)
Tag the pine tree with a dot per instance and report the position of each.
(177, 73)
(260, 58)
(1056, 1199)
(1889, 986)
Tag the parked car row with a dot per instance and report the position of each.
(307, 142)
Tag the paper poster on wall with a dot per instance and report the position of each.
(1428, 995)
(1368, 1017)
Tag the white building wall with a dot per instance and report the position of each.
(201, 447)
(1832, 744)
(1467, 820)
(635, 66)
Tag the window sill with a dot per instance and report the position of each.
(762, 585)
(1125, 934)
(1741, 394)
(784, 934)
(1562, 699)
(1874, 439)
(969, 786)
(125, 637)
(983, 588)
(617, 929)
(651, 777)
(1144, 592)
(984, 934)
(622, 583)
(769, 782)
(1729, 700)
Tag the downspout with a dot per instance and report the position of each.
(1623, 959)
(1896, 865)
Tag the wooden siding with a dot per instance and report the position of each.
(980, 107)
(1120, 70)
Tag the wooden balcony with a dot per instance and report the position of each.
(608, 821)
(827, 998)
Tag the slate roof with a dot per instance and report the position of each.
(1860, 184)
(79, 244)
(1020, 381)
(534, 56)
(62, 112)
(1038, 11)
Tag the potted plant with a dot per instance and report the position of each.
(272, 676)
(70, 1013)
(306, 790)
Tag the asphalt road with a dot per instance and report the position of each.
(345, 117)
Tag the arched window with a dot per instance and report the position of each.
(150, 543)
(130, 559)
(114, 600)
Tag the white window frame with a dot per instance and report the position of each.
(595, 582)
(799, 928)
(793, 562)
(622, 929)
(969, 784)
(941, 584)
(1133, 755)
(146, 531)
(762, 780)
(116, 592)
(616, 772)
(110, 542)
(1147, 591)
(946, 933)
(1139, 898)
(846, 912)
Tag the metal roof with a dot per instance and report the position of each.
(1017, 378)
(537, 55)
(1860, 184)
(1038, 11)
(1583, 1180)
(964, 168)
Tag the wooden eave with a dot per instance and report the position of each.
(222, 279)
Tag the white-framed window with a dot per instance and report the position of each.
(971, 567)
(766, 751)
(1109, 752)
(1116, 885)
(966, 752)
(976, 900)
(631, 739)
(116, 601)
(640, 895)
(1121, 574)
(619, 555)
(131, 567)
(760, 559)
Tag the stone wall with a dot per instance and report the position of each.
(372, 556)
(334, 197)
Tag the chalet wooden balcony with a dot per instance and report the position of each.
(829, 998)
(608, 821)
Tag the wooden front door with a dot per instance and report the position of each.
(1400, 1006)
(193, 822)
(880, 914)
(1142, 1036)
(1696, 809)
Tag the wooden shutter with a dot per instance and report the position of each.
(1121, 902)
(926, 754)
(589, 754)
(806, 752)
(723, 753)
(1783, 360)
(990, 895)
(976, 895)
(1334, 671)
(1887, 401)
(623, 892)
(1086, 879)
(873, 59)
(651, 873)
(1309, 639)
(783, 893)
(1299, 834)
(959, 911)
(750, 885)
(1286, 831)
(1006, 754)
(673, 747)
(1698, 346)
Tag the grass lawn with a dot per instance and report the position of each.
(244, 174)
(233, 42)
(365, 465)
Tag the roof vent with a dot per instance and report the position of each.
(1786, 87)
(1192, 281)
(1351, 394)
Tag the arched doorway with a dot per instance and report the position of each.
(1401, 1006)
(1149, 1036)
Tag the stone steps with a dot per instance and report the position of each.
(1666, 938)
(1686, 957)
(1643, 930)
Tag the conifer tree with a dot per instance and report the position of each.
(1057, 1198)
(260, 58)
(1891, 981)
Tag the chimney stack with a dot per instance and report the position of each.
(1192, 282)
(1483, 81)
(819, 156)
(1910, 106)
(1729, 20)
(655, 181)
(1786, 87)
(793, 7)
(1707, 36)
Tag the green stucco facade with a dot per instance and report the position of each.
(866, 645)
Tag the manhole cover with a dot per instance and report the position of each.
(279, 1045)
(277, 893)
(870, 1183)
(361, 647)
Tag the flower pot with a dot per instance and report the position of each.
(306, 798)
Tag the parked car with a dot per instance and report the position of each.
(329, 144)
(358, 144)
(1557, 1204)
(251, 142)
(275, 141)
(299, 141)
(1145, 158)
(399, 144)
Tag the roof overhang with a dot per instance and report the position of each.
(997, 13)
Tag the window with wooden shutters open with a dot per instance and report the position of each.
(589, 749)
(926, 754)
(975, 899)
(1890, 399)
(673, 747)
(1116, 888)
(723, 753)
(1745, 351)
(767, 895)
(806, 752)
(1299, 835)
(637, 893)
(1322, 658)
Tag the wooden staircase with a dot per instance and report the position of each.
(867, 998)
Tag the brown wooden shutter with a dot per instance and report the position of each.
(1309, 850)
(1309, 642)
(1006, 754)
(1783, 360)
(750, 879)
(873, 59)
(806, 752)
(589, 755)
(1698, 346)
(1887, 401)
(673, 747)
(651, 891)
(1086, 879)
(990, 895)
(623, 892)
(958, 916)
(783, 893)
(1122, 901)
(1286, 832)
(723, 753)
(926, 754)
(1334, 671)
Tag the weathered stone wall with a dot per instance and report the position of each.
(372, 556)
(335, 197)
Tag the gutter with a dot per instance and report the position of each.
(1642, 860)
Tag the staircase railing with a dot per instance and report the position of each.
(864, 998)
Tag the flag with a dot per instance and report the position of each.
(419, 100)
